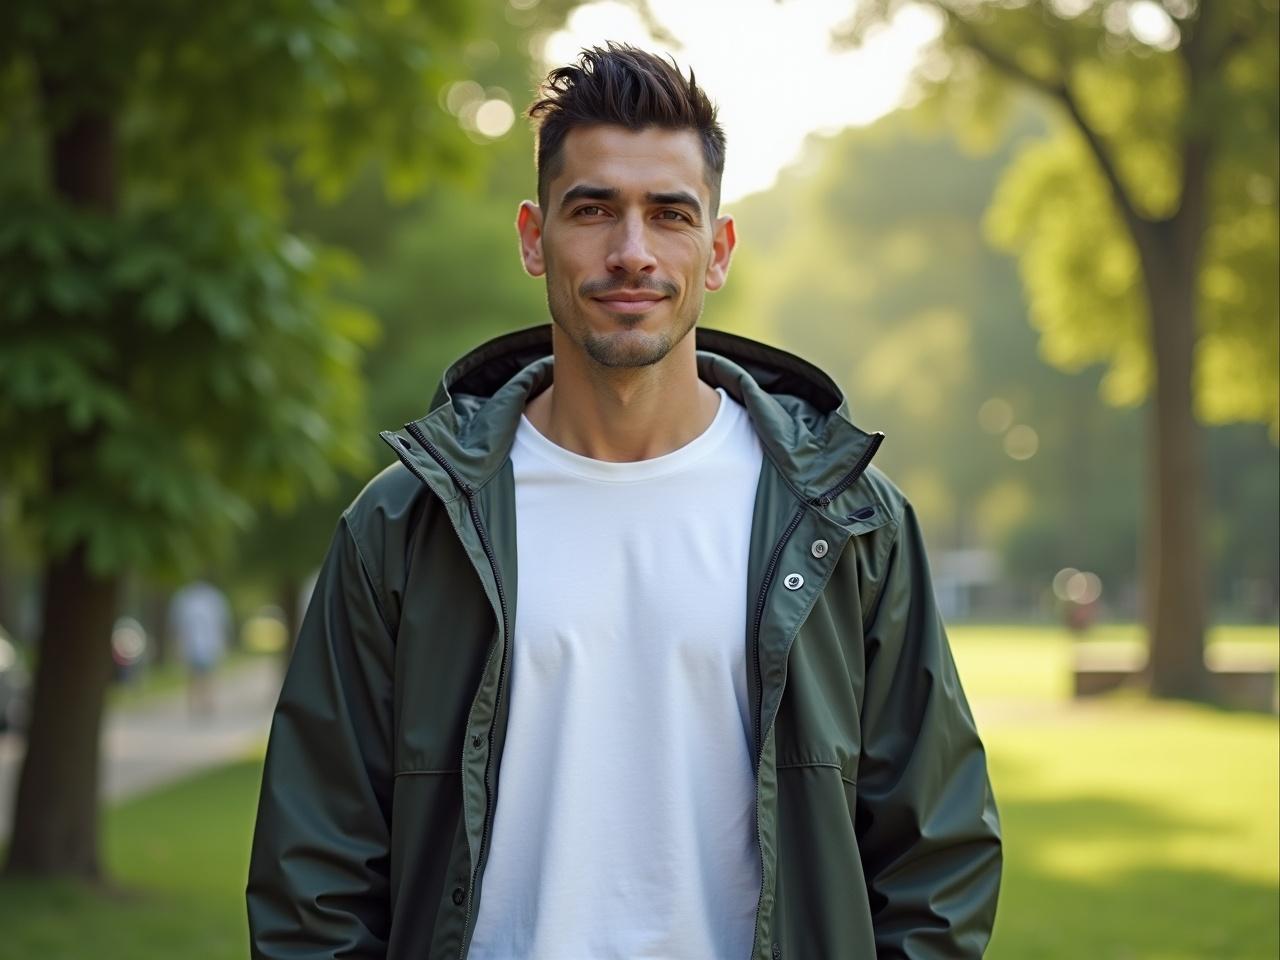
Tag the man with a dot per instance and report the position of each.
(631, 655)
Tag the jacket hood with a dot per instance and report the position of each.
(799, 413)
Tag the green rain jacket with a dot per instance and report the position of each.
(876, 825)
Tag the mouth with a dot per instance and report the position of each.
(629, 301)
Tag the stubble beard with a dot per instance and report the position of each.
(627, 348)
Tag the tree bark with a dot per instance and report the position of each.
(55, 822)
(1175, 599)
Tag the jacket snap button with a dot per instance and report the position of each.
(777, 952)
(458, 896)
(793, 581)
(475, 741)
(819, 548)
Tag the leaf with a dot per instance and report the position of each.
(163, 306)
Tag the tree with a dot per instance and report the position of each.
(871, 255)
(172, 357)
(421, 258)
(1146, 231)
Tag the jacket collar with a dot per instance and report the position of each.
(799, 413)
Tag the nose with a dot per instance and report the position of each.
(628, 247)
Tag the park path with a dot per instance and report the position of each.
(151, 744)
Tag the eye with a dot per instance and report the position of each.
(590, 210)
(674, 215)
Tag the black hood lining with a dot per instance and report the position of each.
(483, 371)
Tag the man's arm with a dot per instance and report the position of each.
(926, 819)
(318, 884)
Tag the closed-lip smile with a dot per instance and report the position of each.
(629, 301)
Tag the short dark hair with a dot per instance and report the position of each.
(623, 85)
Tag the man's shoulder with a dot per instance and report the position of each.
(889, 493)
(381, 524)
(390, 495)
(382, 517)
(884, 502)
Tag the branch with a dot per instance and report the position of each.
(1057, 90)
(1202, 59)
(1198, 48)
(1136, 221)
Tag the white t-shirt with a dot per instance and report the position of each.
(624, 827)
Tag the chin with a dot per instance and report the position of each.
(627, 348)
(619, 340)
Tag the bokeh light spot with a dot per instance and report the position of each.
(1021, 442)
(995, 415)
(494, 118)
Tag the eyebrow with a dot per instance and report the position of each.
(681, 198)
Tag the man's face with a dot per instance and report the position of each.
(628, 242)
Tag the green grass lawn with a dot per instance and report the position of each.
(178, 857)
(1133, 831)
(1137, 831)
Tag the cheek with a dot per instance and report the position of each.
(701, 262)
(687, 257)
(568, 260)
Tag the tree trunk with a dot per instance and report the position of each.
(55, 822)
(9, 591)
(1175, 595)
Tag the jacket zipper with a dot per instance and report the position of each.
(433, 451)
(770, 570)
(821, 501)
(851, 477)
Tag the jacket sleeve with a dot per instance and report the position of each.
(926, 818)
(318, 873)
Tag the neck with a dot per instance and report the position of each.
(623, 414)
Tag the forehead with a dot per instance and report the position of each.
(652, 160)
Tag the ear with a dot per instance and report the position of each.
(722, 243)
(529, 227)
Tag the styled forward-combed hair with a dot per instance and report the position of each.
(622, 85)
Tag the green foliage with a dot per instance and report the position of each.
(173, 368)
(441, 272)
(217, 95)
(1239, 348)
(1079, 265)
(1146, 99)
(179, 360)
(870, 259)
(875, 265)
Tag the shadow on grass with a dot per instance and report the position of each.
(1089, 876)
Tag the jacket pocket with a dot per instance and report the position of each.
(821, 907)
(428, 863)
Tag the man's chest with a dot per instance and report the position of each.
(626, 576)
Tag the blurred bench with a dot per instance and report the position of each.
(1241, 676)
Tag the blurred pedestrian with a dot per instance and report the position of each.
(200, 621)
